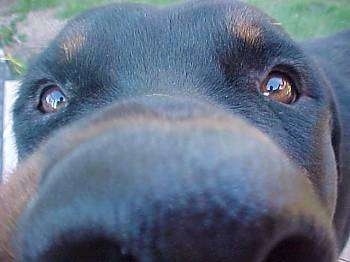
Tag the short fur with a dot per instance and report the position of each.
(165, 74)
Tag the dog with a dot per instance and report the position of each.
(195, 132)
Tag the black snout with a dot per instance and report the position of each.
(172, 181)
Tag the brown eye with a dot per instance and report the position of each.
(52, 100)
(279, 87)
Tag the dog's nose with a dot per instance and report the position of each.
(173, 187)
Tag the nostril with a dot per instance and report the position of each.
(99, 249)
(298, 248)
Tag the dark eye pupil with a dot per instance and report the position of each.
(52, 100)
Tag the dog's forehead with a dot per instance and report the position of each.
(203, 25)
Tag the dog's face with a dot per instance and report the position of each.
(194, 132)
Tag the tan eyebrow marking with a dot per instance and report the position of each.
(244, 28)
(250, 33)
(72, 44)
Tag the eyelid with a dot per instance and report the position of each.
(42, 86)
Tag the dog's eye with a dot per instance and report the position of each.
(279, 87)
(52, 100)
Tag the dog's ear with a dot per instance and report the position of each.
(341, 146)
(336, 133)
(331, 54)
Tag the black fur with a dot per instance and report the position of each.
(213, 52)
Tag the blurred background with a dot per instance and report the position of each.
(26, 26)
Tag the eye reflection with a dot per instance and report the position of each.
(52, 100)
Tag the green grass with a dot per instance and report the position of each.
(8, 33)
(307, 18)
(17, 66)
(68, 8)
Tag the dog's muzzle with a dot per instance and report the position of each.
(169, 179)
